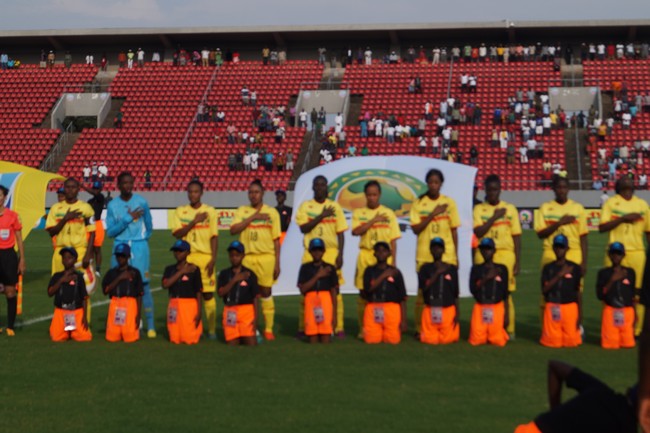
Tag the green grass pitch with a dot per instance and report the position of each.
(285, 385)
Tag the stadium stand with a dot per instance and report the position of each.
(206, 156)
(384, 89)
(26, 96)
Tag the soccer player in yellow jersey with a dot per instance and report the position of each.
(627, 218)
(323, 218)
(72, 222)
(563, 216)
(433, 215)
(196, 224)
(373, 223)
(258, 227)
(499, 221)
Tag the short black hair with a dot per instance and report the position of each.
(123, 175)
(73, 180)
(319, 177)
(618, 186)
(557, 179)
(197, 183)
(492, 178)
(435, 172)
(258, 183)
(371, 183)
(5, 190)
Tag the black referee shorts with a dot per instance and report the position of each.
(8, 267)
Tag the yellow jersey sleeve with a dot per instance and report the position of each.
(176, 220)
(214, 222)
(395, 232)
(238, 216)
(341, 222)
(539, 224)
(51, 219)
(301, 215)
(606, 214)
(452, 210)
(515, 224)
(476, 215)
(275, 223)
(583, 228)
(355, 218)
(414, 213)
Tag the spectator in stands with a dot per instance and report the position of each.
(510, 153)
(245, 95)
(643, 181)
(94, 172)
(119, 120)
(473, 155)
(597, 184)
(352, 150)
(147, 180)
(103, 171)
(342, 138)
(253, 98)
(523, 154)
(302, 118)
(473, 81)
(86, 173)
(51, 58)
(4, 59)
(140, 57)
(130, 55)
(367, 55)
(268, 161)
(232, 161)
(322, 53)
(279, 135)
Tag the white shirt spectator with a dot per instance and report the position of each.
(610, 122)
(155, 57)
(602, 153)
(441, 122)
(423, 142)
(546, 122)
(446, 133)
(601, 49)
(523, 152)
(643, 179)
(368, 56)
(464, 79)
(435, 142)
(205, 54)
(254, 160)
(86, 172)
(338, 120)
(140, 55)
(103, 170)
(626, 119)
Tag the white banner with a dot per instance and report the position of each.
(402, 179)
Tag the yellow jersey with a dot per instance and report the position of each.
(328, 229)
(441, 226)
(504, 228)
(200, 235)
(551, 212)
(75, 232)
(631, 235)
(382, 231)
(259, 236)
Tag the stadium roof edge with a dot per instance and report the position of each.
(322, 28)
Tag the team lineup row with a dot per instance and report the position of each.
(434, 219)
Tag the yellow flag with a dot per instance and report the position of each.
(27, 187)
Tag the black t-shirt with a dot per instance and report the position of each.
(97, 202)
(325, 284)
(187, 286)
(392, 289)
(285, 216)
(242, 293)
(621, 293)
(566, 290)
(596, 408)
(132, 288)
(70, 296)
(492, 291)
(440, 293)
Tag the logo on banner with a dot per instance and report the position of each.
(9, 181)
(526, 218)
(398, 190)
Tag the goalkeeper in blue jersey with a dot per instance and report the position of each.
(129, 222)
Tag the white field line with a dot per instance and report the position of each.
(49, 316)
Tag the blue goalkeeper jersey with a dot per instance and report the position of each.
(121, 226)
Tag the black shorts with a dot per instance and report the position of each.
(8, 267)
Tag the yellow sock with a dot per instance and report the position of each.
(511, 315)
(339, 313)
(361, 309)
(210, 308)
(301, 315)
(88, 310)
(268, 311)
(640, 315)
(419, 307)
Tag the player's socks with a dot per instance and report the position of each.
(268, 311)
(147, 304)
(210, 308)
(419, 307)
(511, 317)
(361, 309)
(339, 316)
(12, 305)
(301, 316)
(88, 310)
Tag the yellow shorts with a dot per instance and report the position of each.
(329, 257)
(366, 259)
(201, 260)
(263, 266)
(57, 263)
(505, 258)
(634, 260)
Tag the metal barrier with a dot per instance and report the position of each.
(63, 140)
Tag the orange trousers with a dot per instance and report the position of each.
(181, 313)
(531, 427)
(381, 323)
(487, 325)
(617, 328)
(318, 313)
(238, 321)
(74, 318)
(121, 322)
(439, 325)
(560, 327)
